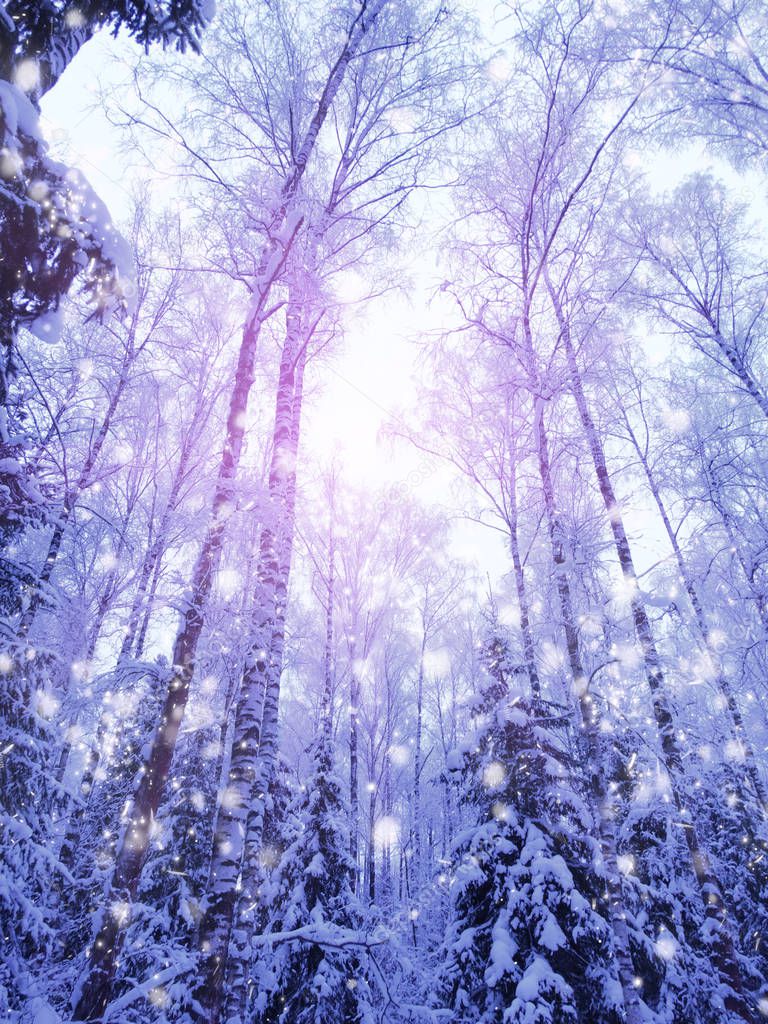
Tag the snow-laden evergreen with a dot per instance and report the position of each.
(528, 939)
(312, 960)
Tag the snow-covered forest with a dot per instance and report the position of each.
(383, 511)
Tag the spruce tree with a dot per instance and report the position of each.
(99, 812)
(322, 977)
(668, 931)
(528, 941)
(738, 835)
(30, 801)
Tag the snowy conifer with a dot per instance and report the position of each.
(667, 928)
(527, 940)
(30, 801)
(323, 977)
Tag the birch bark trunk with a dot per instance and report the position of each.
(354, 794)
(722, 681)
(520, 586)
(417, 767)
(240, 819)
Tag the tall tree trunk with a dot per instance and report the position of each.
(326, 708)
(520, 585)
(418, 874)
(240, 818)
(354, 787)
(596, 779)
(739, 368)
(386, 847)
(237, 978)
(371, 852)
(718, 930)
(149, 605)
(722, 681)
(92, 994)
(154, 553)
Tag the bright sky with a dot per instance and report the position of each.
(368, 385)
